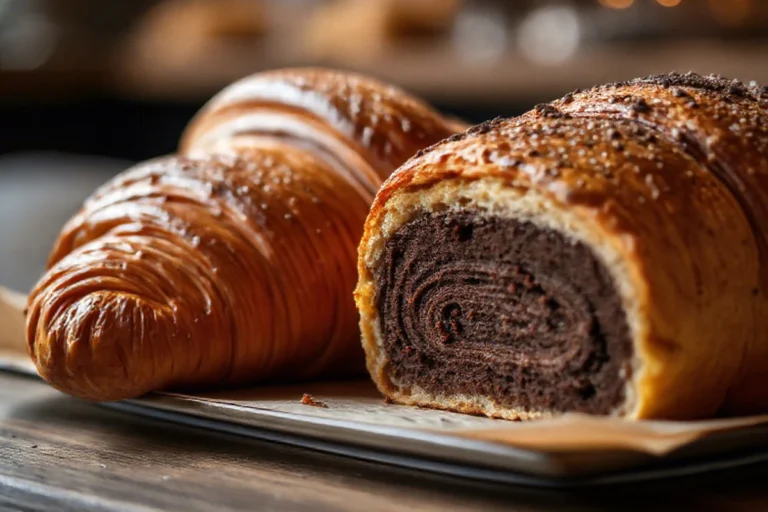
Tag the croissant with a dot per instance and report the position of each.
(605, 254)
(233, 261)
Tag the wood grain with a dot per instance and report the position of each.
(58, 453)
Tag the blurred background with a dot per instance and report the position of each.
(89, 86)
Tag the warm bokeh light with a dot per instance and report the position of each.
(617, 4)
(669, 3)
(550, 35)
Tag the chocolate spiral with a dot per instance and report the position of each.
(234, 261)
(604, 253)
(495, 307)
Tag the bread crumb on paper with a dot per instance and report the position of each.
(308, 400)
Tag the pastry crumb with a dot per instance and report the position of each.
(308, 400)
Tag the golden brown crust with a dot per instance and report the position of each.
(665, 178)
(233, 262)
(379, 121)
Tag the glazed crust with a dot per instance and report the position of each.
(233, 261)
(666, 179)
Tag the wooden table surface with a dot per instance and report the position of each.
(59, 453)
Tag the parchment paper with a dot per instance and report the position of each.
(356, 406)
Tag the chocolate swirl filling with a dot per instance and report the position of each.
(501, 308)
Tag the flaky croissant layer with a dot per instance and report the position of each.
(233, 261)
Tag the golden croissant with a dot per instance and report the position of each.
(233, 261)
(605, 253)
